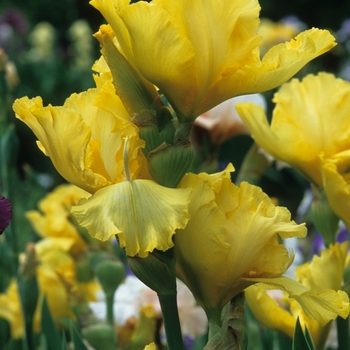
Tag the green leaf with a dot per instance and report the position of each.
(49, 329)
(343, 333)
(300, 340)
(76, 337)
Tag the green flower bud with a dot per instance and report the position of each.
(84, 270)
(100, 336)
(110, 273)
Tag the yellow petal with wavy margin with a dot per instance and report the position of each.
(324, 271)
(232, 234)
(306, 120)
(200, 248)
(323, 305)
(63, 136)
(140, 30)
(142, 213)
(279, 64)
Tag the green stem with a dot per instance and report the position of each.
(214, 329)
(109, 306)
(343, 333)
(168, 304)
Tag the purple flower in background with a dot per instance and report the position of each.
(15, 19)
(5, 213)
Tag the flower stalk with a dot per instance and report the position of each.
(157, 271)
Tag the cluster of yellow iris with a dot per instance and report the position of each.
(198, 54)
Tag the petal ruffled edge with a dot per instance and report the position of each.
(321, 305)
(143, 214)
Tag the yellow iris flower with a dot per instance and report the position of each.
(93, 145)
(53, 218)
(323, 276)
(310, 131)
(201, 53)
(232, 241)
(310, 119)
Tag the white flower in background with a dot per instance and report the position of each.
(133, 294)
(223, 122)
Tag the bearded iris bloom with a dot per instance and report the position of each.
(201, 53)
(53, 217)
(232, 240)
(93, 145)
(316, 129)
(307, 120)
(323, 275)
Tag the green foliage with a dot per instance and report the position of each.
(301, 340)
(49, 330)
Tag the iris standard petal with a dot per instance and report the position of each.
(231, 236)
(279, 64)
(142, 213)
(201, 53)
(150, 40)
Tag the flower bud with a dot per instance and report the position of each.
(100, 336)
(110, 273)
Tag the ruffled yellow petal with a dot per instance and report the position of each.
(323, 305)
(78, 136)
(63, 137)
(139, 29)
(268, 312)
(231, 236)
(200, 54)
(200, 248)
(142, 213)
(253, 230)
(324, 271)
(336, 183)
(306, 120)
(279, 64)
